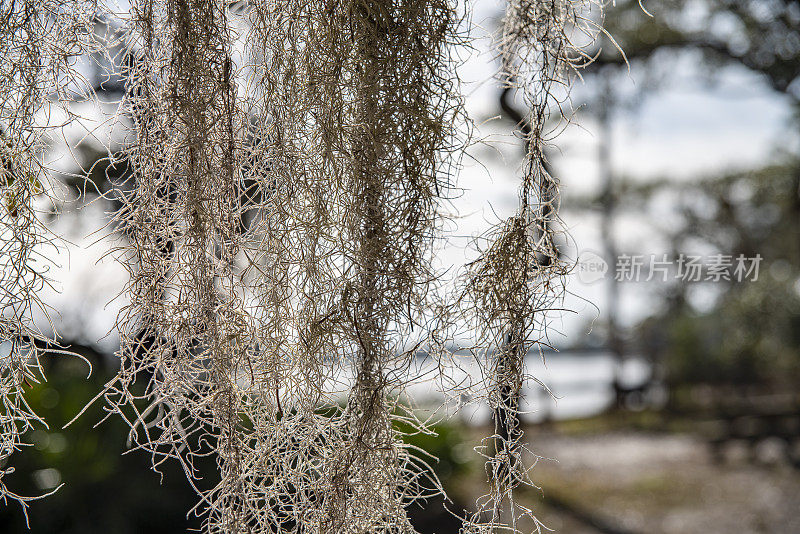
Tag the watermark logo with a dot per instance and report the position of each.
(591, 267)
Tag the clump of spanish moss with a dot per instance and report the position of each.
(280, 215)
(511, 288)
(289, 163)
(39, 41)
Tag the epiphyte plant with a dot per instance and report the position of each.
(290, 163)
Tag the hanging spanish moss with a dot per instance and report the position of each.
(39, 42)
(289, 166)
(393, 58)
(512, 288)
(280, 215)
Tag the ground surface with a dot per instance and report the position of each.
(645, 482)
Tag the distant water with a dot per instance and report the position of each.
(579, 383)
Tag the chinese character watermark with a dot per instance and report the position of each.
(591, 267)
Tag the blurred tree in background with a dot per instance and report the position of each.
(760, 35)
(750, 335)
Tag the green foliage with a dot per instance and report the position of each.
(442, 442)
(104, 489)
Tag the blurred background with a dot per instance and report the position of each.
(674, 395)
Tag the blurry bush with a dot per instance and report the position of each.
(750, 335)
(103, 490)
(110, 488)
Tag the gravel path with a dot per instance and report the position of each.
(649, 483)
